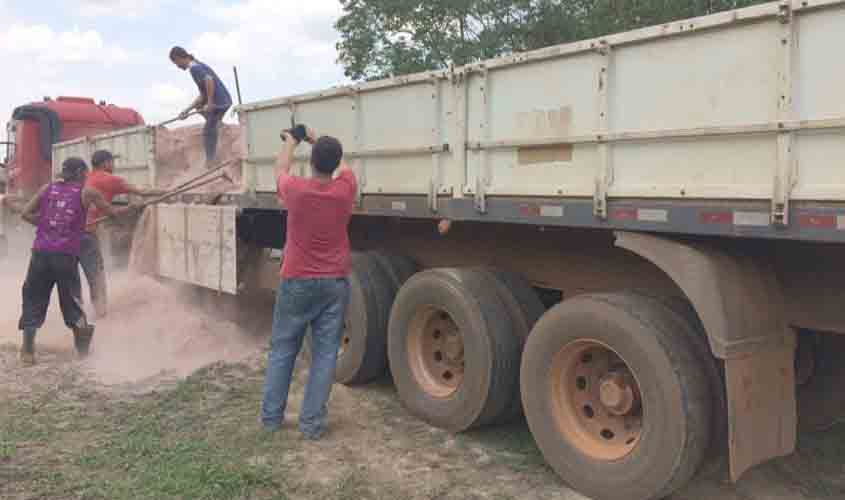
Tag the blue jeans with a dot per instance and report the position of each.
(211, 132)
(300, 303)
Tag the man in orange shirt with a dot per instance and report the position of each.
(109, 185)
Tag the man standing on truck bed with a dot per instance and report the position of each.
(314, 289)
(108, 185)
(58, 211)
(213, 102)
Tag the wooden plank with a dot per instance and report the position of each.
(197, 244)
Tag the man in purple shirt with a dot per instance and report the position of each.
(58, 211)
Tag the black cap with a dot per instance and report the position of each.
(73, 167)
(102, 156)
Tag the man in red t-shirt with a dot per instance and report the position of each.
(108, 185)
(314, 290)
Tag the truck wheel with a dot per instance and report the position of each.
(525, 309)
(452, 354)
(522, 301)
(616, 398)
(714, 367)
(362, 356)
(398, 267)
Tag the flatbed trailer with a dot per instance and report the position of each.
(644, 228)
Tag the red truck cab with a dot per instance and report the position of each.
(35, 127)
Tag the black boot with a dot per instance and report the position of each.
(28, 347)
(82, 339)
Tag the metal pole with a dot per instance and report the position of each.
(237, 85)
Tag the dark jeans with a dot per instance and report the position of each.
(300, 303)
(94, 268)
(47, 270)
(211, 133)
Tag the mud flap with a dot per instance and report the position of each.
(197, 244)
(761, 406)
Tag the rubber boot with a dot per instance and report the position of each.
(28, 347)
(82, 340)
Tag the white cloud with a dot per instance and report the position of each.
(273, 42)
(280, 48)
(124, 8)
(164, 100)
(45, 45)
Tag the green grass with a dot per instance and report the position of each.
(159, 446)
(7, 448)
(200, 439)
(155, 468)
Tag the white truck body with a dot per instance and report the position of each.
(729, 127)
(134, 148)
(740, 111)
(731, 124)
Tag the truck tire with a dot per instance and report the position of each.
(398, 267)
(525, 309)
(452, 353)
(715, 369)
(616, 398)
(362, 357)
(523, 303)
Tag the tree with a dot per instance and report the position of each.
(381, 38)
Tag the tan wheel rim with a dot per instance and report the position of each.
(436, 352)
(596, 399)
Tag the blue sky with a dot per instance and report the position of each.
(116, 50)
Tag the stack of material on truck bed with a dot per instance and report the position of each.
(180, 154)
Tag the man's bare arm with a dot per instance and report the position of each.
(284, 161)
(30, 210)
(93, 197)
(199, 101)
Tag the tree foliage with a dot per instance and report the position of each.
(381, 38)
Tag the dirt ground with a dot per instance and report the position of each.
(167, 407)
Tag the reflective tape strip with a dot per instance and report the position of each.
(821, 221)
(759, 219)
(652, 215)
(551, 211)
(716, 217)
(624, 214)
